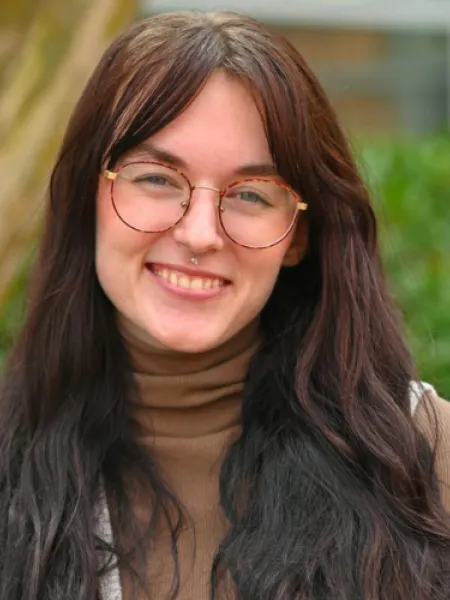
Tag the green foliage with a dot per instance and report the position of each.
(410, 182)
(11, 314)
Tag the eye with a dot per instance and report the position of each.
(159, 180)
(251, 197)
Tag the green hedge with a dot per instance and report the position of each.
(410, 181)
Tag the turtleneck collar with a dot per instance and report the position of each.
(188, 395)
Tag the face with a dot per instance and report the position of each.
(145, 275)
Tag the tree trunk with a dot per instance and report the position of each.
(47, 51)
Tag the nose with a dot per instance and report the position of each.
(200, 230)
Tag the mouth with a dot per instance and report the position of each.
(188, 283)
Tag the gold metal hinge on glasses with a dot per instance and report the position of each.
(109, 175)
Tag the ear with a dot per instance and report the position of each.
(298, 246)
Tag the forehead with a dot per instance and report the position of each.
(221, 130)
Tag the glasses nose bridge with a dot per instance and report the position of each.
(200, 227)
(211, 189)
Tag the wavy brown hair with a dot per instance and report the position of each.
(330, 491)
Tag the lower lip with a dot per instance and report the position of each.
(197, 294)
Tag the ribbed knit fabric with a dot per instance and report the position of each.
(432, 411)
(188, 415)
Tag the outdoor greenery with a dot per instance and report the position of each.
(410, 181)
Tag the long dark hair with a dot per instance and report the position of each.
(330, 491)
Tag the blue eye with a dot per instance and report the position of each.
(251, 197)
(153, 179)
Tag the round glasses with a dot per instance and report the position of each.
(152, 197)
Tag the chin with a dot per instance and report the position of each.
(189, 346)
(187, 341)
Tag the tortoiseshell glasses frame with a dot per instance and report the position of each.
(298, 205)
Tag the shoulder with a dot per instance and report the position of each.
(428, 409)
(431, 414)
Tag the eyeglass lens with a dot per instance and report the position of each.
(152, 197)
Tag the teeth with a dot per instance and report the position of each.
(184, 281)
(195, 284)
(181, 282)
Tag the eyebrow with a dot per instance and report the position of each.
(148, 150)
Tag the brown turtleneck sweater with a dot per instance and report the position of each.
(188, 414)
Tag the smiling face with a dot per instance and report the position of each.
(148, 276)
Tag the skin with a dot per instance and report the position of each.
(218, 133)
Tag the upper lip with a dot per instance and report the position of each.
(192, 272)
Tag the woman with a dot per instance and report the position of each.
(211, 394)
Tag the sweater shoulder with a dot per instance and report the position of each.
(432, 416)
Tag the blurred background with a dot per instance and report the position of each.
(385, 65)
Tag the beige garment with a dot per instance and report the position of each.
(429, 405)
(188, 416)
(189, 413)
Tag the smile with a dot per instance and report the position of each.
(183, 281)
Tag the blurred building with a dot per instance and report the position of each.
(385, 63)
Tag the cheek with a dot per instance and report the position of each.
(119, 251)
(107, 221)
(261, 272)
(107, 230)
(113, 237)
